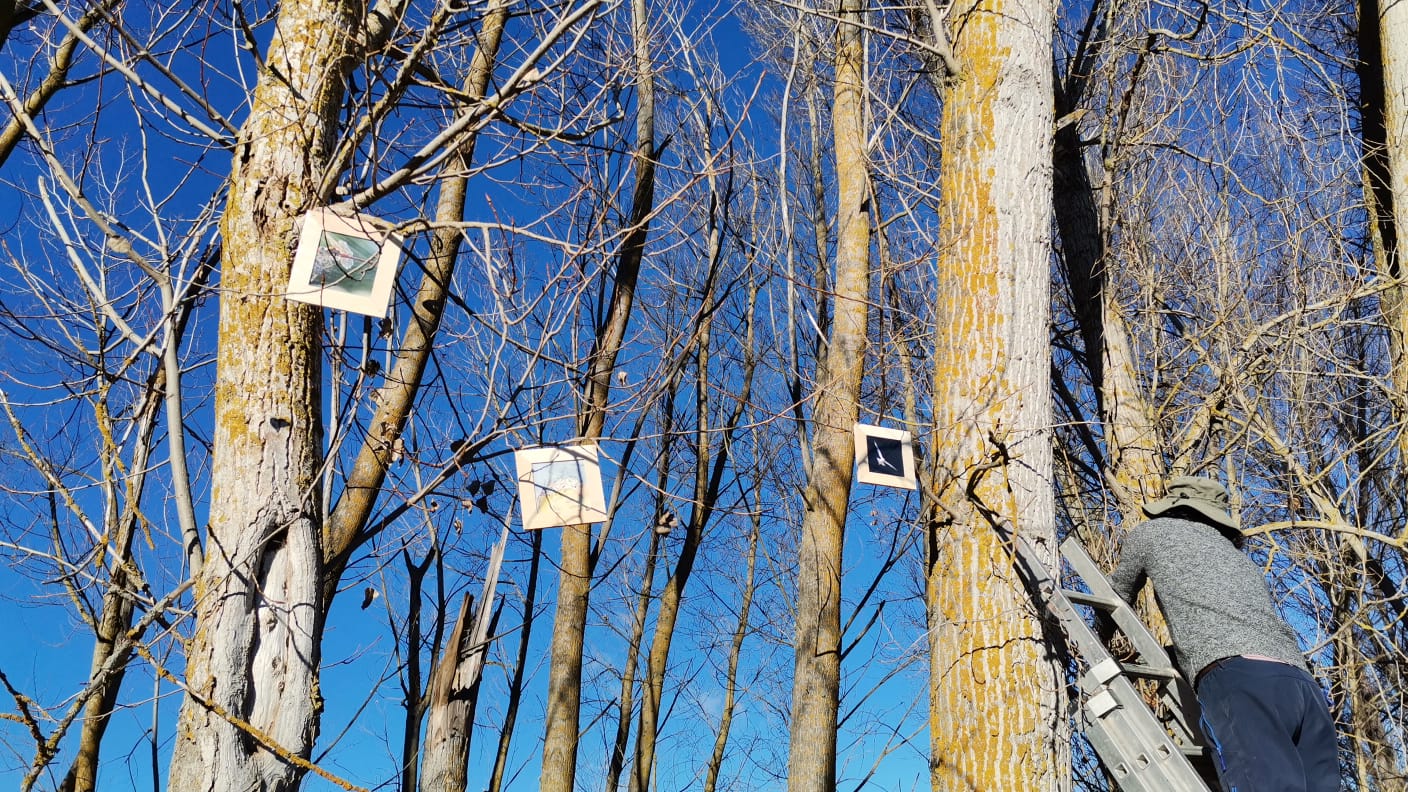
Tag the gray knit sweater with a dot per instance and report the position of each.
(1213, 596)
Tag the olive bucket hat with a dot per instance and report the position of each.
(1202, 495)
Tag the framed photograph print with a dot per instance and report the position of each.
(559, 485)
(347, 262)
(885, 457)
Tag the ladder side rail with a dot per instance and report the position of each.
(1173, 691)
(1132, 743)
(1094, 654)
(1182, 705)
(1148, 647)
(1129, 739)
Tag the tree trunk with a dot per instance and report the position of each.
(626, 706)
(708, 479)
(996, 685)
(115, 618)
(1383, 83)
(1133, 468)
(444, 766)
(411, 675)
(453, 692)
(564, 700)
(515, 685)
(251, 712)
(826, 498)
(396, 398)
(735, 652)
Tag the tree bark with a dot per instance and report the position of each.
(444, 765)
(1133, 468)
(115, 618)
(708, 479)
(515, 685)
(251, 712)
(564, 700)
(13, 14)
(411, 674)
(626, 706)
(735, 652)
(347, 522)
(453, 693)
(1383, 83)
(996, 684)
(826, 497)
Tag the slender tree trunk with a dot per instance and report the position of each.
(453, 692)
(559, 769)
(1383, 85)
(735, 652)
(114, 620)
(1133, 468)
(996, 685)
(13, 14)
(411, 676)
(347, 522)
(826, 498)
(515, 685)
(626, 705)
(444, 765)
(821, 230)
(708, 479)
(672, 597)
(251, 712)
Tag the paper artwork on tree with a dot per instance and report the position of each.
(885, 457)
(347, 262)
(559, 485)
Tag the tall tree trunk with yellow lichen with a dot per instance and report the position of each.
(996, 684)
(251, 712)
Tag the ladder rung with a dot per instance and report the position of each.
(1146, 671)
(1083, 598)
(1143, 752)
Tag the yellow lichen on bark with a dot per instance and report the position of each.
(253, 659)
(995, 720)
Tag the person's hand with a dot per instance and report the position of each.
(1121, 648)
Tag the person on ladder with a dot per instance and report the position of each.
(1263, 713)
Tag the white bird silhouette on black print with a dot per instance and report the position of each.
(879, 456)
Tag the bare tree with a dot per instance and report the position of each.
(996, 686)
(559, 770)
(817, 676)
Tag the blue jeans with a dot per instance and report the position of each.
(1269, 727)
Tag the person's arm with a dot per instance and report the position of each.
(1129, 576)
(1127, 579)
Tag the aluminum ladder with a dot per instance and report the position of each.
(1142, 752)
